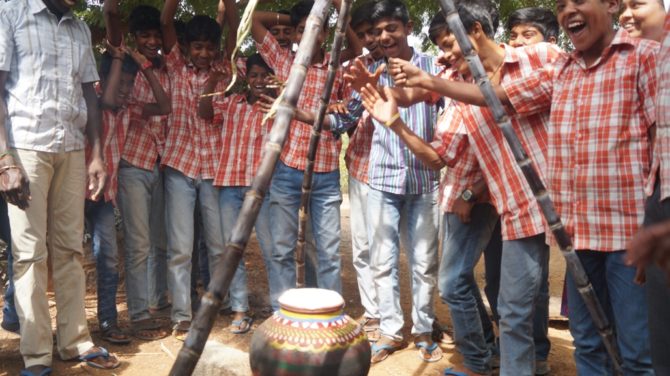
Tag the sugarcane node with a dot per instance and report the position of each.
(272, 146)
(255, 194)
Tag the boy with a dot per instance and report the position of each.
(190, 155)
(286, 189)
(118, 72)
(597, 164)
(140, 191)
(643, 18)
(243, 137)
(523, 227)
(48, 108)
(528, 26)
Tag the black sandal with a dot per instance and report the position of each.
(114, 335)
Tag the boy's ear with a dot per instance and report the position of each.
(551, 40)
(613, 7)
(409, 27)
(477, 32)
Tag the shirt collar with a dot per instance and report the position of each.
(621, 38)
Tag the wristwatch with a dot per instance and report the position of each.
(468, 196)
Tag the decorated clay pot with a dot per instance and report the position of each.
(310, 335)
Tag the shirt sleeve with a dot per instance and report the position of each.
(6, 39)
(531, 94)
(89, 73)
(647, 84)
(451, 143)
(341, 122)
(274, 55)
(221, 107)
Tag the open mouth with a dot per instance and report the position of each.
(575, 27)
(629, 26)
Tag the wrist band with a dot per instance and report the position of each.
(392, 120)
(146, 65)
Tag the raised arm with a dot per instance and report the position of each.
(231, 17)
(167, 24)
(110, 12)
(262, 20)
(163, 104)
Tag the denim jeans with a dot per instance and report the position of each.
(524, 266)
(101, 222)
(360, 246)
(9, 315)
(181, 195)
(230, 204)
(658, 291)
(625, 305)
(415, 215)
(461, 250)
(324, 216)
(141, 202)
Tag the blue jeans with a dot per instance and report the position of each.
(324, 216)
(625, 305)
(416, 216)
(9, 315)
(658, 291)
(230, 204)
(141, 202)
(101, 222)
(524, 267)
(181, 195)
(461, 250)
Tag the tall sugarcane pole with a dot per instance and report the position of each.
(227, 263)
(564, 241)
(333, 66)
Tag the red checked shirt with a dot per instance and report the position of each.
(662, 149)
(145, 141)
(357, 157)
(193, 144)
(598, 149)
(295, 150)
(242, 137)
(508, 188)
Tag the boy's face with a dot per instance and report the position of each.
(445, 42)
(525, 35)
(62, 6)
(257, 77)
(392, 36)
(283, 34)
(364, 33)
(300, 29)
(643, 18)
(149, 42)
(587, 22)
(202, 53)
(126, 83)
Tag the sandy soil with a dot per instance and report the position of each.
(155, 358)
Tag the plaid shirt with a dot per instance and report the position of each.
(145, 141)
(357, 157)
(48, 60)
(465, 171)
(243, 136)
(598, 149)
(662, 149)
(508, 188)
(297, 144)
(193, 144)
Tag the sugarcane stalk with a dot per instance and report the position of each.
(564, 241)
(333, 66)
(226, 264)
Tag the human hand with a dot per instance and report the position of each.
(381, 106)
(96, 177)
(338, 107)
(462, 209)
(265, 103)
(14, 184)
(358, 75)
(406, 74)
(137, 56)
(651, 244)
(117, 52)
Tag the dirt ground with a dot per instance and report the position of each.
(142, 358)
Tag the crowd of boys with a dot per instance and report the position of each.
(151, 133)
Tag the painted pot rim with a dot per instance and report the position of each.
(311, 301)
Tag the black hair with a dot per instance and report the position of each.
(257, 59)
(482, 12)
(438, 25)
(143, 18)
(541, 18)
(203, 28)
(180, 29)
(394, 9)
(129, 65)
(300, 11)
(361, 14)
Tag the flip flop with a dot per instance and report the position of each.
(243, 325)
(387, 348)
(102, 352)
(426, 351)
(114, 335)
(45, 372)
(451, 372)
